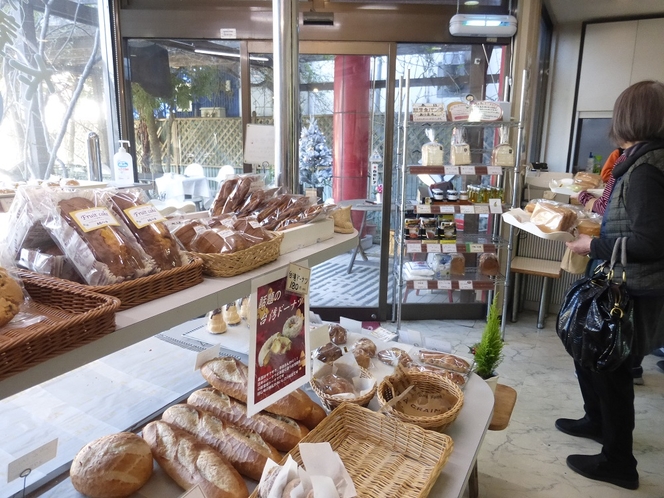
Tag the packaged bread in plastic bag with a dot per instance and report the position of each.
(551, 216)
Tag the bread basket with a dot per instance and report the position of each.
(236, 263)
(331, 401)
(438, 391)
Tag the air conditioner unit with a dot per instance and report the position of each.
(484, 25)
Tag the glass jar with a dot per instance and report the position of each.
(452, 195)
(463, 195)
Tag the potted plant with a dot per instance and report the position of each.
(489, 351)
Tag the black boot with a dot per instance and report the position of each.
(598, 468)
(580, 428)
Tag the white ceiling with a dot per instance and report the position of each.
(566, 11)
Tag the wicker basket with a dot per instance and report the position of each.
(424, 384)
(141, 290)
(384, 457)
(236, 263)
(73, 316)
(331, 401)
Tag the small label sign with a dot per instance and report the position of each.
(482, 209)
(32, 460)
(424, 208)
(434, 248)
(298, 279)
(494, 170)
(412, 248)
(467, 170)
(445, 284)
(449, 248)
(451, 170)
(206, 355)
(94, 218)
(476, 247)
(144, 215)
(467, 209)
(420, 284)
(228, 33)
(495, 205)
(466, 284)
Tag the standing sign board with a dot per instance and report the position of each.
(279, 342)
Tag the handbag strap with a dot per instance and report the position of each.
(619, 247)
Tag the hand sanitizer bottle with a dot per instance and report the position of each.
(591, 163)
(123, 166)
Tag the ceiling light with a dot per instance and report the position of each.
(471, 2)
(485, 25)
(228, 54)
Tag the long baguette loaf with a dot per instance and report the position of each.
(244, 449)
(190, 463)
(229, 375)
(281, 432)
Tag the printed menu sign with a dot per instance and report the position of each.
(279, 345)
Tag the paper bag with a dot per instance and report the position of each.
(574, 263)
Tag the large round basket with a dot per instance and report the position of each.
(440, 392)
(331, 401)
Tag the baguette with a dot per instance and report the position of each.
(281, 432)
(229, 376)
(244, 449)
(190, 463)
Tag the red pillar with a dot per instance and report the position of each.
(352, 125)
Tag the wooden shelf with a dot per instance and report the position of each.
(470, 169)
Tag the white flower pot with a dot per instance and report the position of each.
(493, 382)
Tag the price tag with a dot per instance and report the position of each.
(228, 33)
(466, 284)
(451, 170)
(298, 279)
(94, 218)
(444, 284)
(206, 355)
(195, 492)
(482, 209)
(495, 205)
(446, 209)
(32, 460)
(476, 247)
(448, 248)
(434, 248)
(494, 170)
(468, 170)
(467, 209)
(411, 248)
(424, 208)
(144, 215)
(420, 284)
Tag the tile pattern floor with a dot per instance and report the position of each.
(527, 460)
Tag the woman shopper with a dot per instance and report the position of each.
(634, 211)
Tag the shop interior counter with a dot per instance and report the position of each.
(141, 322)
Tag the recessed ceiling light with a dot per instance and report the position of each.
(471, 2)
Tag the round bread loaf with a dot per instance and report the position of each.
(112, 466)
(333, 384)
(11, 297)
(366, 345)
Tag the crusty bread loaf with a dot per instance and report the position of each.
(190, 463)
(281, 432)
(244, 449)
(155, 239)
(112, 466)
(229, 376)
(108, 244)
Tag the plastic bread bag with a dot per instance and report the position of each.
(552, 216)
(295, 206)
(432, 151)
(394, 356)
(584, 181)
(186, 232)
(225, 190)
(589, 223)
(458, 378)
(444, 360)
(252, 230)
(219, 241)
(488, 264)
(99, 245)
(133, 207)
(342, 379)
(457, 264)
(48, 259)
(244, 185)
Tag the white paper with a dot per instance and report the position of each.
(320, 460)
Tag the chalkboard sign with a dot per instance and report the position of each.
(259, 144)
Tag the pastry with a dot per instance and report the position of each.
(394, 356)
(338, 334)
(366, 345)
(244, 308)
(334, 384)
(231, 315)
(11, 297)
(444, 360)
(328, 353)
(362, 358)
(215, 322)
(112, 466)
(276, 345)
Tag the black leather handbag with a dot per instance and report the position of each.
(594, 321)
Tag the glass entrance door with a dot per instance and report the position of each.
(342, 160)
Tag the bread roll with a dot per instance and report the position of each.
(366, 345)
(589, 227)
(362, 358)
(229, 376)
(244, 449)
(190, 463)
(328, 353)
(334, 384)
(11, 297)
(281, 432)
(338, 334)
(112, 466)
(394, 356)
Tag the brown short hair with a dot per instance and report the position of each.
(638, 114)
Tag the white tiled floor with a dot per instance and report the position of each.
(528, 458)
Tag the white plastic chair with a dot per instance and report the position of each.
(194, 170)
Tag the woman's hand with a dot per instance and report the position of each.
(580, 245)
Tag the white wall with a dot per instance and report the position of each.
(565, 59)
